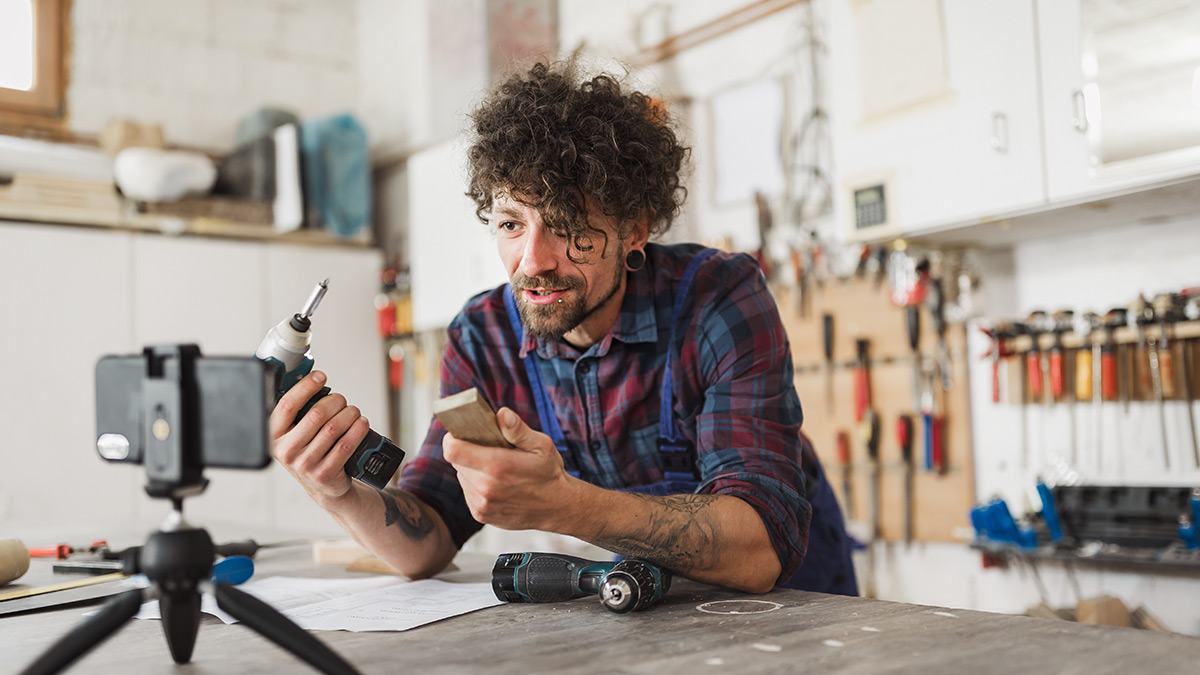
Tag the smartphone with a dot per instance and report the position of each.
(234, 397)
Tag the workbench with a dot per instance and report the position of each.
(695, 629)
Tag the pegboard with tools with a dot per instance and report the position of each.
(928, 497)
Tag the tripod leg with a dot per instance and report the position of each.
(279, 629)
(181, 621)
(88, 634)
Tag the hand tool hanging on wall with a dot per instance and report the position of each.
(904, 437)
(1087, 374)
(1110, 385)
(1191, 312)
(937, 309)
(1142, 314)
(843, 458)
(908, 277)
(912, 322)
(1062, 322)
(999, 333)
(1034, 327)
(1169, 308)
(827, 346)
(870, 434)
(935, 459)
(862, 379)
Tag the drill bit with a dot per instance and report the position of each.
(315, 299)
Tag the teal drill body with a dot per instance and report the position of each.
(623, 586)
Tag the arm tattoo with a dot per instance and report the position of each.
(405, 512)
(682, 536)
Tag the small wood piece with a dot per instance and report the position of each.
(470, 418)
(1104, 610)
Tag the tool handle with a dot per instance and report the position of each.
(862, 393)
(59, 552)
(1166, 372)
(1083, 375)
(904, 436)
(376, 458)
(245, 548)
(545, 577)
(927, 428)
(938, 448)
(912, 321)
(1108, 376)
(843, 448)
(1056, 373)
(827, 335)
(996, 380)
(1033, 368)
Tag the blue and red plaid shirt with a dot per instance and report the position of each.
(734, 395)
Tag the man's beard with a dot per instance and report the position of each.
(558, 318)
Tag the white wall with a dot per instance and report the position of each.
(199, 66)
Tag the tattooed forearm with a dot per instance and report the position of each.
(405, 512)
(681, 537)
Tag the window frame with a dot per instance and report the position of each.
(42, 107)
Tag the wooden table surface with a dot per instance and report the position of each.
(695, 629)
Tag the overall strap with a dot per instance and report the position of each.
(541, 399)
(678, 461)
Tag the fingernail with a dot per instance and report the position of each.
(318, 377)
(508, 418)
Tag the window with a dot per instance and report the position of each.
(32, 73)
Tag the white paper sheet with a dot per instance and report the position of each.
(382, 603)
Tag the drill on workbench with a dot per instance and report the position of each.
(376, 459)
(625, 586)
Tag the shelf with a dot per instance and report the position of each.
(90, 203)
(1171, 560)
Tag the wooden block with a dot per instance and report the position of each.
(469, 417)
(337, 551)
(1144, 620)
(1104, 610)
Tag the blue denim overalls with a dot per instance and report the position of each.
(827, 567)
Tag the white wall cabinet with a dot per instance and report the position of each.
(948, 122)
(1121, 95)
(1046, 104)
(74, 295)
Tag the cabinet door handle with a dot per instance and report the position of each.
(1000, 132)
(1079, 111)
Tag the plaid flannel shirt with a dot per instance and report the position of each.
(734, 395)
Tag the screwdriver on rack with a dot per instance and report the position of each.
(827, 345)
(912, 322)
(376, 458)
(843, 458)
(904, 436)
(937, 309)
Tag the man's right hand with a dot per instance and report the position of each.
(315, 449)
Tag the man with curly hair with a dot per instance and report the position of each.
(646, 388)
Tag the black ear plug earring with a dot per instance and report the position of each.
(634, 260)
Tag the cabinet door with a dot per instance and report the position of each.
(937, 102)
(1120, 92)
(65, 303)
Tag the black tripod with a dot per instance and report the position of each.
(169, 409)
(178, 560)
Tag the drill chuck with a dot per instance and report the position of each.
(632, 585)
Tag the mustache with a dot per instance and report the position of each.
(521, 282)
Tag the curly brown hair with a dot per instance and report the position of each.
(553, 141)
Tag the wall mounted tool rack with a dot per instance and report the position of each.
(861, 309)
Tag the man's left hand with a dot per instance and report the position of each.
(511, 489)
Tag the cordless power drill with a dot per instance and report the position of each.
(376, 459)
(625, 586)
